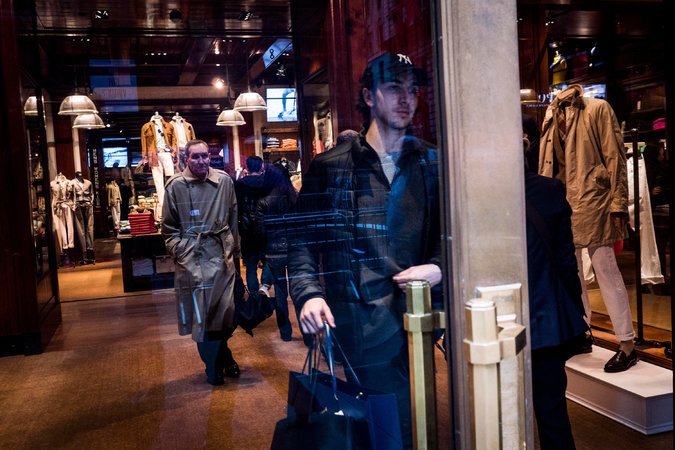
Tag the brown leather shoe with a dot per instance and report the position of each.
(620, 362)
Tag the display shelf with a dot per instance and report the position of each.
(142, 255)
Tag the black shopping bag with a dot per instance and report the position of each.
(321, 430)
(250, 308)
(318, 392)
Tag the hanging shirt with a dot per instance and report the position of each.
(180, 132)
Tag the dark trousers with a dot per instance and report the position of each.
(385, 368)
(277, 267)
(549, 382)
(250, 256)
(215, 353)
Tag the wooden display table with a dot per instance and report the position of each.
(145, 264)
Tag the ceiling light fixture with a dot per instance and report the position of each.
(77, 104)
(30, 107)
(88, 122)
(245, 15)
(230, 118)
(249, 101)
(101, 14)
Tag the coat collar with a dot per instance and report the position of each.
(189, 176)
(572, 94)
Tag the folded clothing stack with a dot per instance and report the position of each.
(142, 223)
(289, 143)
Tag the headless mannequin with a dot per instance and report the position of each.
(84, 216)
(184, 133)
(62, 215)
(157, 138)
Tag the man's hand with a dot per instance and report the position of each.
(313, 315)
(425, 272)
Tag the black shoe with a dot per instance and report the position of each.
(287, 338)
(586, 345)
(217, 380)
(621, 362)
(232, 371)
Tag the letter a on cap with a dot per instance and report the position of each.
(404, 59)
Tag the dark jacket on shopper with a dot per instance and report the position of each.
(274, 213)
(357, 231)
(556, 310)
(250, 190)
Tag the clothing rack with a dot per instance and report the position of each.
(640, 340)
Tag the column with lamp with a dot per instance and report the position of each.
(250, 101)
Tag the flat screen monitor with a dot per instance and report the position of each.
(115, 151)
(598, 90)
(281, 105)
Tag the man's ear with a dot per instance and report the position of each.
(368, 97)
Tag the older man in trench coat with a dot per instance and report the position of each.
(200, 229)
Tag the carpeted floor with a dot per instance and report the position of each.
(118, 376)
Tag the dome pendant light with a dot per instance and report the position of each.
(230, 118)
(249, 101)
(88, 122)
(30, 107)
(77, 104)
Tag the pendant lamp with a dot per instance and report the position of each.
(77, 104)
(250, 101)
(230, 118)
(30, 107)
(88, 122)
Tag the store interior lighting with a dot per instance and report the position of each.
(230, 118)
(88, 122)
(77, 104)
(30, 107)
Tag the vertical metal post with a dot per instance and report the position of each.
(481, 348)
(419, 322)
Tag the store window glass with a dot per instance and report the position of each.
(340, 110)
(623, 65)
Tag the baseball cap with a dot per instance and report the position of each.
(388, 67)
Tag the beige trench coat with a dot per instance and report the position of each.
(200, 230)
(594, 169)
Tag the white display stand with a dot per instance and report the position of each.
(640, 398)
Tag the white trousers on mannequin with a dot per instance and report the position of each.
(115, 212)
(163, 169)
(612, 289)
(63, 224)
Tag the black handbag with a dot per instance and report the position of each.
(350, 415)
(250, 308)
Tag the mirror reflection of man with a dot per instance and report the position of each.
(200, 229)
(375, 200)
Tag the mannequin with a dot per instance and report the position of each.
(62, 214)
(184, 133)
(582, 145)
(158, 142)
(114, 203)
(128, 179)
(84, 216)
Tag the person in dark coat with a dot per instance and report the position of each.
(250, 189)
(273, 214)
(372, 211)
(556, 310)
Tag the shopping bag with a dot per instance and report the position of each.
(250, 308)
(325, 431)
(316, 391)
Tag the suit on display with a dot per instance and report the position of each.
(158, 143)
(62, 213)
(184, 132)
(582, 145)
(84, 216)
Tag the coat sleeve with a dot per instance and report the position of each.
(233, 219)
(303, 253)
(144, 145)
(171, 226)
(564, 245)
(614, 155)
